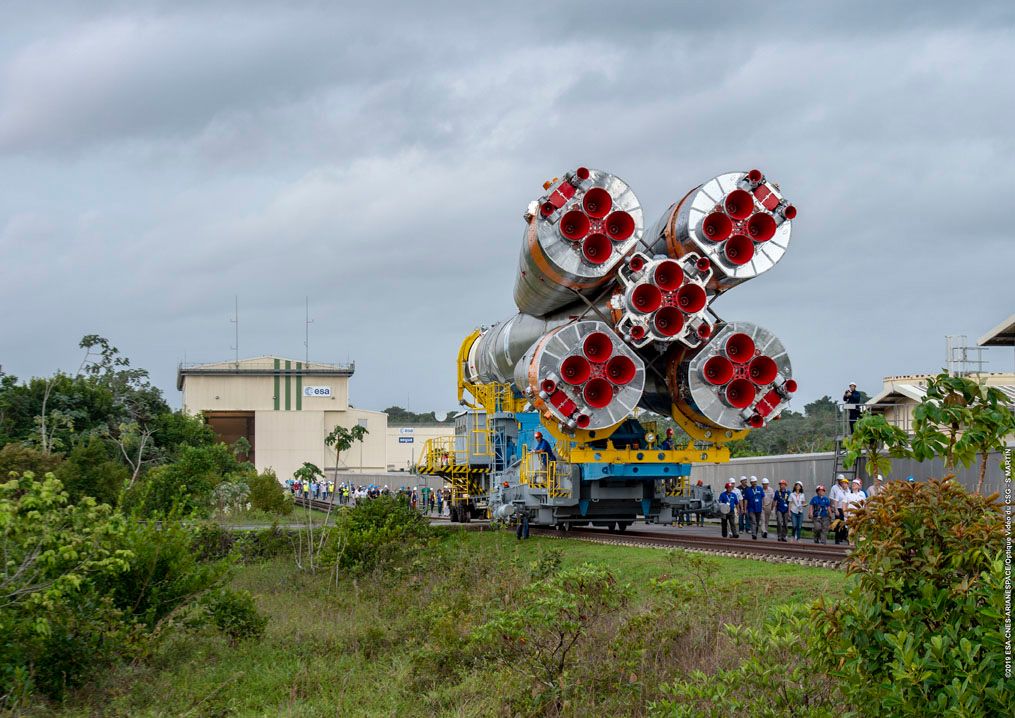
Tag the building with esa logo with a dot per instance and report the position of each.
(285, 408)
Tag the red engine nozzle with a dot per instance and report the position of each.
(597, 249)
(756, 422)
(619, 226)
(548, 385)
(646, 298)
(739, 249)
(575, 370)
(740, 348)
(740, 393)
(668, 275)
(597, 347)
(716, 227)
(582, 173)
(546, 209)
(703, 264)
(598, 393)
(597, 202)
(620, 370)
(755, 176)
(790, 385)
(739, 204)
(583, 421)
(691, 298)
(637, 263)
(574, 225)
(762, 370)
(669, 321)
(761, 227)
(637, 332)
(717, 370)
(789, 212)
(704, 330)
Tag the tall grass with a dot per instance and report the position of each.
(400, 640)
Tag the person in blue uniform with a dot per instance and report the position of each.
(754, 497)
(667, 444)
(781, 502)
(728, 506)
(543, 449)
(820, 513)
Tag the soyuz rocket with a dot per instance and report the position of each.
(613, 316)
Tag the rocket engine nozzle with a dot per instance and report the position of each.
(574, 225)
(597, 347)
(669, 321)
(597, 203)
(668, 276)
(739, 204)
(619, 226)
(575, 370)
(596, 249)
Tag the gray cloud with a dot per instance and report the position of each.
(160, 158)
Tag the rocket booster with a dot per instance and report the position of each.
(613, 318)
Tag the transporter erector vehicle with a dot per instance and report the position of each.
(615, 328)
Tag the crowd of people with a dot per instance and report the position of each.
(425, 499)
(750, 507)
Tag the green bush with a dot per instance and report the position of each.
(188, 484)
(57, 625)
(165, 573)
(375, 532)
(541, 638)
(234, 613)
(91, 469)
(920, 630)
(266, 494)
(779, 678)
(19, 458)
(253, 546)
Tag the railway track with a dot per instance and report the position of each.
(316, 504)
(802, 553)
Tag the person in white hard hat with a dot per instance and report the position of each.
(876, 485)
(754, 497)
(838, 496)
(767, 506)
(728, 504)
(852, 400)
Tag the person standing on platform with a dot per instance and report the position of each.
(667, 443)
(851, 398)
(543, 449)
(755, 500)
(767, 506)
(781, 503)
(820, 514)
(728, 507)
(876, 485)
(797, 502)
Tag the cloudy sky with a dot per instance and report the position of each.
(157, 159)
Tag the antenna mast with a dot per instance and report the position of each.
(236, 329)
(306, 339)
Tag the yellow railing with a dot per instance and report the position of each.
(442, 456)
(538, 471)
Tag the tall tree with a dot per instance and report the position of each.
(341, 439)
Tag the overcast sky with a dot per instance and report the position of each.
(157, 159)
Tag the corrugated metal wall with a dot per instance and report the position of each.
(814, 469)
